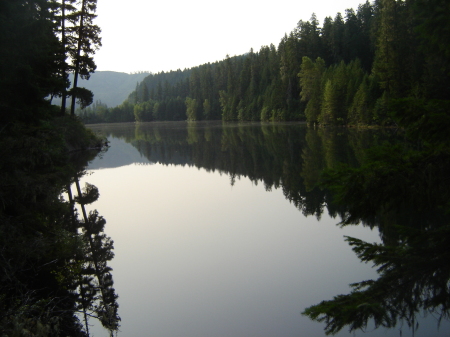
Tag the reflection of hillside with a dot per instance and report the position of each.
(287, 156)
(119, 154)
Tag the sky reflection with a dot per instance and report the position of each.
(196, 256)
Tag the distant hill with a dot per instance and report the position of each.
(109, 87)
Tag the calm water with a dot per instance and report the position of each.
(219, 232)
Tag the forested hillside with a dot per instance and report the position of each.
(343, 71)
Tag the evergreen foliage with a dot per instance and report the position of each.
(368, 57)
(86, 35)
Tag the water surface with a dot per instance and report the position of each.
(218, 230)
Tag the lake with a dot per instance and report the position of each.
(220, 231)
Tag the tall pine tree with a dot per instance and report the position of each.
(88, 41)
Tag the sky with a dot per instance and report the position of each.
(164, 35)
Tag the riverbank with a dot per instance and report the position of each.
(76, 136)
(38, 237)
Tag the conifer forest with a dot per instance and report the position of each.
(344, 71)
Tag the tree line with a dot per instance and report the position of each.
(345, 71)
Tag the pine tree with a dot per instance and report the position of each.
(337, 39)
(360, 110)
(68, 43)
(88, 41)
(334, 108)
(311, 87)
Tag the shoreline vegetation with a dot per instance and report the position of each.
(54, 272)
(77, 137)
(46, 256)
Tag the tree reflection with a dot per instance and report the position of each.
(92, 276)
(403, 191)
(288, 156)
(46, 274)
(413, 279)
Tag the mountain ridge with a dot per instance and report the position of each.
(109, 87)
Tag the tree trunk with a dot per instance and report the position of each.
(77, 59)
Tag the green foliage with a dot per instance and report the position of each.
(84, 96)
(360, 111)
(228, 104)
(143, 112)
(311, 84)
(192, 108)
(207, 108)
(331, 103)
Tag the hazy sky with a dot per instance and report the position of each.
(142, 35)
